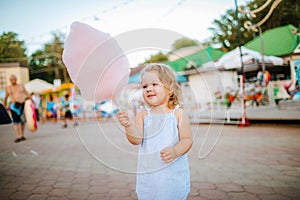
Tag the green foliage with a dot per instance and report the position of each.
(159, 57)
(225, 31)
(47, 63)
(11, 49)
(287, 12)
(184, 42)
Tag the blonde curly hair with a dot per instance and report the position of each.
(168, 77)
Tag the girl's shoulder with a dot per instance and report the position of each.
(142, 114)
(178, 110)
(180, 114)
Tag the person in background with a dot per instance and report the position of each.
(36, 100)
(66, 110)
(51, 108)
(297, 77)
(17, 94)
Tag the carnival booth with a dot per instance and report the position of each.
(52, 101)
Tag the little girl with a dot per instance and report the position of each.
(164, 135)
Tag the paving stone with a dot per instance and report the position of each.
(27, 187)
(97, 196)
(20, 195)
(47, 182)
(42, 189)
(133, 195)
(59, 192)
(38, 197)
(6, 193)
(229, 187)
(273, 197)
(79, 186)
(99, 182)
(33, 180)
(288, 192)
(272, 183)
(78, 194)
(213, 194)
(99, 189)
(12, 185)
(260, 163)
(118, 184)
(62, 185)
(118, 198)
(295, 173)
(258, 189)
(118, 192)
(202, 185)
(196, 198)
(194, 192)
(83, 180)
(242, 195)
(57, 198)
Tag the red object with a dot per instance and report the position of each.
(244, 121)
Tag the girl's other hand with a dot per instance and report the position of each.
(124, 119)
(168, 154)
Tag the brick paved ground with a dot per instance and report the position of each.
(94, 161)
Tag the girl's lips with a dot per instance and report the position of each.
(150, 95)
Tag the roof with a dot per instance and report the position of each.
(277, 41)
(232, 60)
(197, 59)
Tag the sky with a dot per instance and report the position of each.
(35, 20)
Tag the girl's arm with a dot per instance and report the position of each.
(134, 132)
(185, 139)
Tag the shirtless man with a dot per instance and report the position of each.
(18, 95)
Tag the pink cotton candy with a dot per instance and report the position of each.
(95, 62)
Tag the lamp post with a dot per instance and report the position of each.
(244, 120)
(262, 47)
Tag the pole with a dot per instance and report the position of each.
(262, 50)
(244, 121)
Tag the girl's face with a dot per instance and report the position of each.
(154, 92)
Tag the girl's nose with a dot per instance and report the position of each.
(149, 88)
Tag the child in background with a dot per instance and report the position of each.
(66, 110)
(51, 108)
(164, 135)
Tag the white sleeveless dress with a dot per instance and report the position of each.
(157, 180)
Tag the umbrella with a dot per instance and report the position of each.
(108, 107)
(231, 60)
(38, 86)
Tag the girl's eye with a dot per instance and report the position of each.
(151, 84)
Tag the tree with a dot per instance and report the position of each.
(47, 63)
(12, 49)
(224, 30)
(287, 12)
(159, 57)
(184, 42)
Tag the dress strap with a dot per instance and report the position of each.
(176, 107)
(148, 110)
